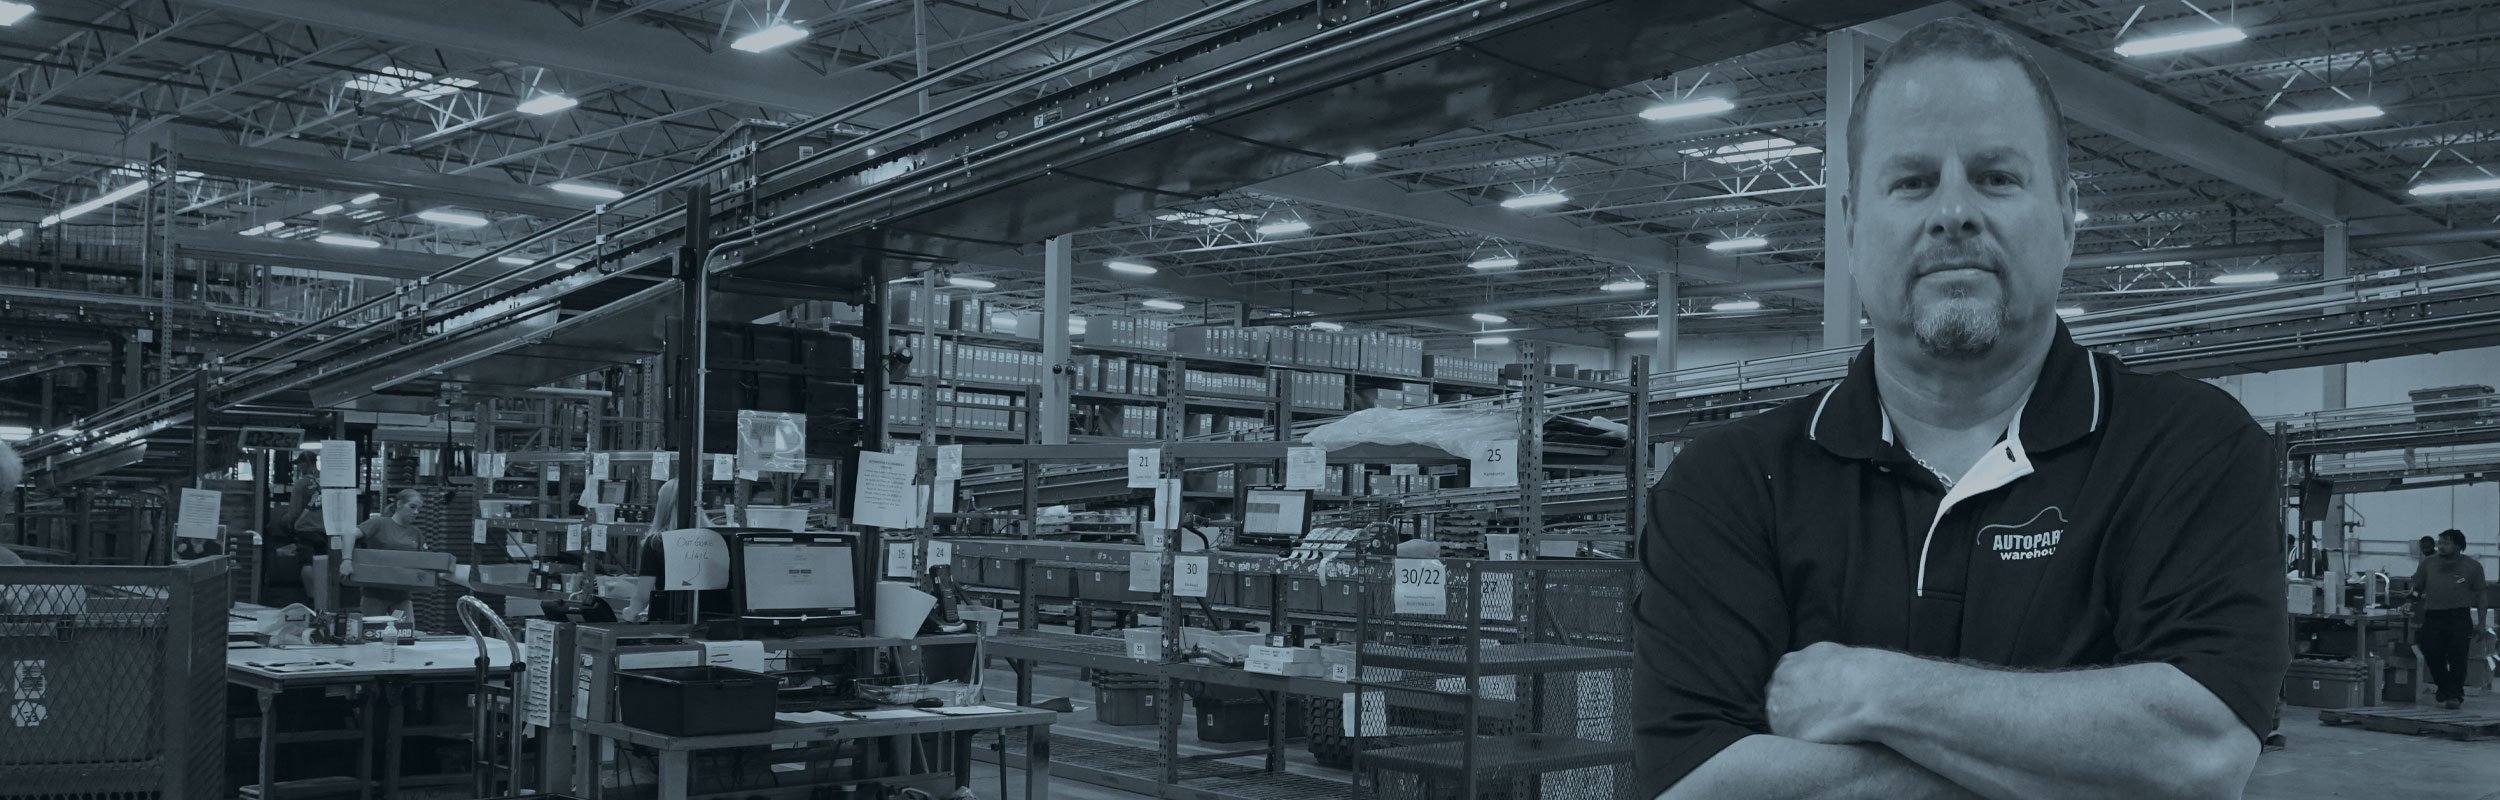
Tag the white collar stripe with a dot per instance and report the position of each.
(1817, 422)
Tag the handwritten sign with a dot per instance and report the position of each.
(694, 559)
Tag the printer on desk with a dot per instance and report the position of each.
(601, 650)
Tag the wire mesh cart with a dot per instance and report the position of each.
(111, 679)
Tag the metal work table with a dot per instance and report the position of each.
(389, 670)
(675, 752)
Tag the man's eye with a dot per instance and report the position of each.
(1916, 183)
(1999, 179)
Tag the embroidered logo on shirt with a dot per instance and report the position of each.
(2036, 537)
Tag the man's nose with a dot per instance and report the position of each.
(1956, 213)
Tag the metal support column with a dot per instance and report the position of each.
(1663, 357)
(1531, 458)
(1058, 273)
(2335, 266)
(694, 322)
(1636, 446)
(1844, 55)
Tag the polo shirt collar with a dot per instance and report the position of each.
(2069, 401)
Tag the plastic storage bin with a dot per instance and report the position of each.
(1124, 699)
(696, 701)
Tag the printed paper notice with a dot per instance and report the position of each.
(477, 531)
(338, 464)
(909, 452)
(1501, 546)
(883, 494)
(721, 466)
(898, 560)
(694, 559)
(941, 554)
(1495, 463)
(1422, 587)
(1189, 576)
(573, 536)
(663, 465)
(338, 513)
(198, 518)
(599, 464)
(1367, 717)
(538, 697)
(1145, 466)
(599, 538)
(1306, 468)
(1145, 572)
(942, 498)
(1167, 504)
(950, 462)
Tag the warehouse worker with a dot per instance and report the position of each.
(1989, 561)
(2451, 587)
(393, 529)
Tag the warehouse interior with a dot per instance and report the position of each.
(1203, 399)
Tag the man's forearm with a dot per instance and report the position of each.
(2142, 730)
(1768, 767)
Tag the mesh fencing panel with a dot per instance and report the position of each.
(112, 681)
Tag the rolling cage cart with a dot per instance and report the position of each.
(113, 681)
(1493, 679)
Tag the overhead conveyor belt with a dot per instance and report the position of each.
(1287, 91)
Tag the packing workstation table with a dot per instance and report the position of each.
(675, 753)
(385, 672)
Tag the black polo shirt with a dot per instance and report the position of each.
(2125, 518)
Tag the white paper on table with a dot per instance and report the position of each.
(599, 464)
(721, 466)
(1306, 467)
(942, 497)
(970, 711)
(198, 518)
(694, 559)
(1501, 546)
(477, 531)
(1167, 503)
(941, 553)
(950, 462)
(1145, 466)
(898, 560)
(1145, 572)
(806, 718)
(338, 513)
(891, 713)
(1494, 462)
(1422, 587)
(882, 495)
(338, 464)
(1189, 576)
(663, 465)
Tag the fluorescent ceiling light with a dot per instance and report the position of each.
(1495, 262)
(1740, 243)
(1488, 319)
(780, 34)
(364, 199)
(515, 260)
(347, 241)
(545, 104)
(109, 198)
(441, 217)
(1737, 305)
(2455, 187)
(1537, 200)
(1770, 149)
(1285, 227)
(2244, 278)
(1644, 333)
(414, 84)
(14, 13)
(1492, 341)
(1164, 305)
(2154, 265)
(49, 220)
(1130, 267)
(327, 210)
(586, 190)
(2345, 114)
(14, 235)
(16, 433)
(970, 283)
(1687, 109)
(2070, 311)
(1364, 157)
(2176, 42)
(1327, 326)
(1626, 285)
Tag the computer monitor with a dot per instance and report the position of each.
(795, 578)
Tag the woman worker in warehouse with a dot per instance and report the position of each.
(393, 529)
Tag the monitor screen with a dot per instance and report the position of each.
(797, 573)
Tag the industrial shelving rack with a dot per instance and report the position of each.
(1515, 682)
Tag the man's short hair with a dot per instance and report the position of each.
(2453, 536)
(1965, 38)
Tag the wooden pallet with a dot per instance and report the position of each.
(2466, 726)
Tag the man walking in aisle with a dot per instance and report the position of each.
(1989, 561)
(2451, 589)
